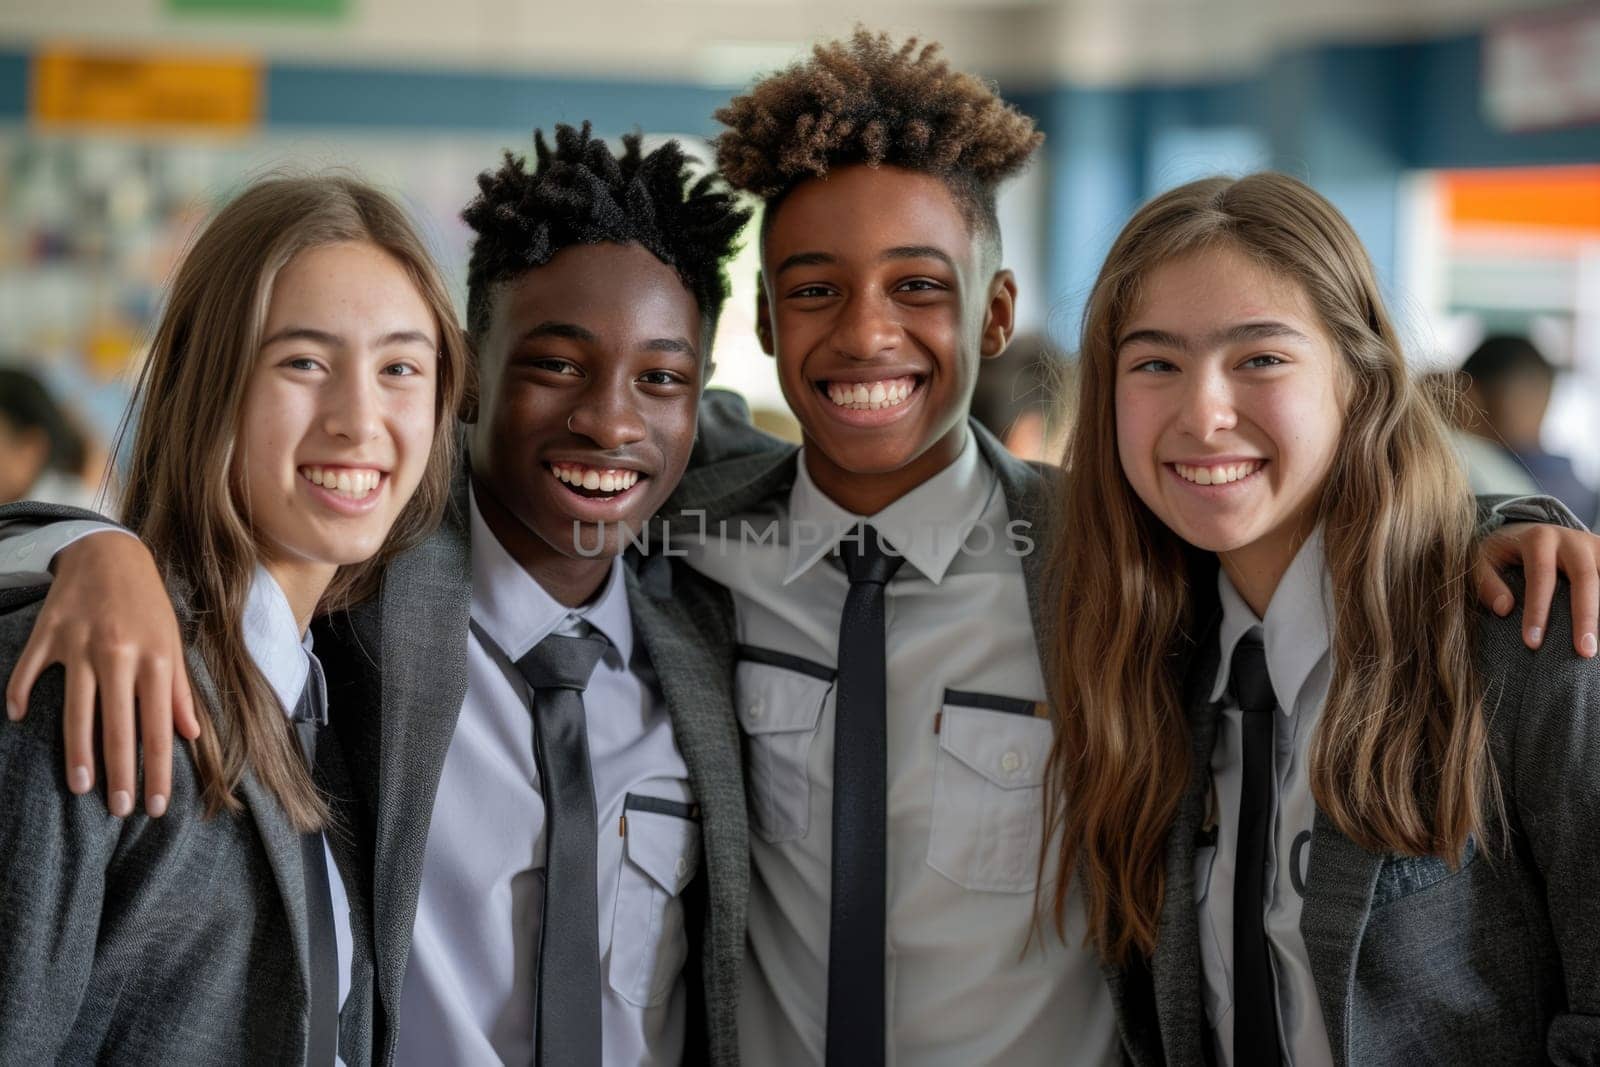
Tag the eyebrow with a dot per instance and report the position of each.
(815, 259)
(333, 340)
(1244, 331)
(571, 331)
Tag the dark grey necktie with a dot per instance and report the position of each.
(860, 810)
(568, 1011)
(310, 716)
(1255, 1002)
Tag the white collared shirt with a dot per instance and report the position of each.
(1296, 636)
(471, 981)
(965, 984)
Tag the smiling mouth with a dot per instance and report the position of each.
(1218, 474)
(352, 483)
(596, 483)
(870, 396)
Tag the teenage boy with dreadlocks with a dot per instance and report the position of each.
(890, 697)
(566, 887)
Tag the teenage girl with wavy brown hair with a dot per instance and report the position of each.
(1321, 807)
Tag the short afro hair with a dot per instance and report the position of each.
(867, 101)
(579, 193)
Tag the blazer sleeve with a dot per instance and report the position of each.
(55, 849)
(1554, 791)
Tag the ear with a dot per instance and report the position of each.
(1000, 316)
(763, 316)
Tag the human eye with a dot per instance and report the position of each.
(663, 377)
(1265, 359)
(1153, 366)
(921, 285)
(300, 363)
(811, 291)
(555, 365)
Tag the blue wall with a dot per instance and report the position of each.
(1349, 119)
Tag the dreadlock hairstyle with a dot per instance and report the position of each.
(868, 101)
(581, 193)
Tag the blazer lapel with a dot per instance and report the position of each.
(685, 625)
(1176, 967)
(282, 844)
(1333, 918)
(1027, 500)
(426, 601)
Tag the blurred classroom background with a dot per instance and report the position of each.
(1462, 137)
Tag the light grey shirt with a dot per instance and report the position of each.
(471, 980)
(1295, 633)
(966, 983)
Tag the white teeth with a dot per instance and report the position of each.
(873, 396)
(353, 483)
(1219, 475)
(593, 478)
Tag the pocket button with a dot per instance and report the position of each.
(682, 867)
(1011, 763)
(757, 709)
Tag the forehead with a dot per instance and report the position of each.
(856, 212)
(1215, 287)
(348, 281)
(621, 293)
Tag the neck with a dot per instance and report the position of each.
(572, 580)
(869, 493)
(1257, 569)
(303, 585)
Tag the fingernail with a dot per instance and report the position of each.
(1535, 635)
(156, 806)
(1503, 605)
(13, 712)
(1589, 645)
(78, 780)
(121, 804)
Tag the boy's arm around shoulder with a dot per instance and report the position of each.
(1543, 709)
(55, 850)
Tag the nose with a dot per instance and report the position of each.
(1208, 404)
(867, 327)
(353, 407)
(608, 414)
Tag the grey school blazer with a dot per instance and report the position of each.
(1496, 962)
(180, 940)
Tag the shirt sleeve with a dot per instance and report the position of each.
(26, 549)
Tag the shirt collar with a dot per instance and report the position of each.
(927, 526)
(517, 613)
(273, 639)
(1296, 631)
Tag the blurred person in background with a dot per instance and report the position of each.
(1508, 384)
(1024, 397)
(41, 453)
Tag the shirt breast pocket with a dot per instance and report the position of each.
(988, 792)
(661, 855)
(780, 700)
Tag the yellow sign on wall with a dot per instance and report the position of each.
(109, 89)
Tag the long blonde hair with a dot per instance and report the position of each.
(1400, 760)
(183, 498)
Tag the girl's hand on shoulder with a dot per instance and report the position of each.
(1544, 552)
(108, 622)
